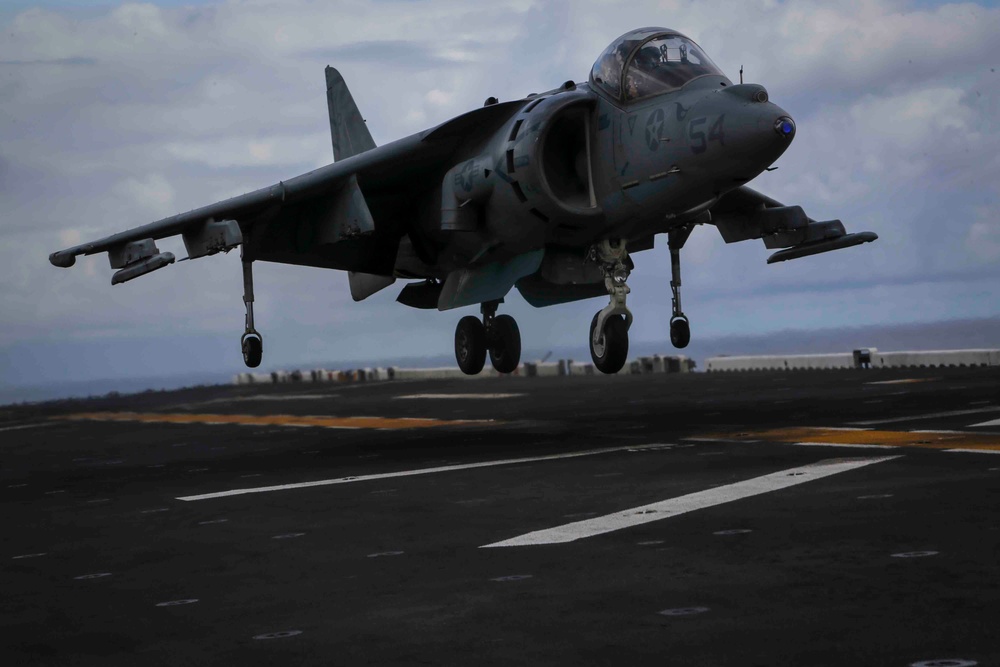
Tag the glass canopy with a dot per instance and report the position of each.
(648, 62)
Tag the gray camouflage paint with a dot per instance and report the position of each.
(460, 203)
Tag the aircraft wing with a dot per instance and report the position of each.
(745, 214)
(347, 215)
(245, 207)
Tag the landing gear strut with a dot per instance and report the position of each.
(680, 328)
(609, 328)
(251, 342)
(496, 334)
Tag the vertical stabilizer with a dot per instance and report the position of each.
(347, 128)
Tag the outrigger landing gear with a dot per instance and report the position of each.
(609, 328)
(497, 334)
(251, 342)
(680, 328)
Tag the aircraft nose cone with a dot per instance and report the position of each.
(738, 133)
(785, 127)
(756, 132)
(775, 131)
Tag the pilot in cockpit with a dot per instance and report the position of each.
(660, 61)
(612, 63)
(647, 59)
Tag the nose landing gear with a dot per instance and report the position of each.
(497, 334)
(609, 328)
(251, 341)
(680, 327)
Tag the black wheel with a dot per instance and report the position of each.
(612, 348)
(470, 345)
(505, 344)
(253, 350)
(680, 332)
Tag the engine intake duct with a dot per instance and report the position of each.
(565, 158)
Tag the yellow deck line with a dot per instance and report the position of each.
(270, 420)
(929, 440)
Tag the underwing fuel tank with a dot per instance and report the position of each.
(142, 267)
(817, 247)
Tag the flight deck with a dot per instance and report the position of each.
(769, 518)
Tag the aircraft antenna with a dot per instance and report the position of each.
(741, 74)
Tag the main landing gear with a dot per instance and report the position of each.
(680, 328)
(496, 334)
(251, 342)
(609, 328)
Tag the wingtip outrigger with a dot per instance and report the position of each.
(63, 259)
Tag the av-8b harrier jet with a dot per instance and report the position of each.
(550, 194)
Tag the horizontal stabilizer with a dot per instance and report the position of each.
(816, 247)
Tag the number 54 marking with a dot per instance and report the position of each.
(696, 133)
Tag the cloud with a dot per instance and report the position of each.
(70, 237)
(883, 141)
(71, 62)
(854, 46)
(152, 193)
(983, 239)
(116, 117)
(395, 54)
(271, 150)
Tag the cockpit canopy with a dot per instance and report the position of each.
(648, 62)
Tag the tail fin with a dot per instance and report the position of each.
(347, 128)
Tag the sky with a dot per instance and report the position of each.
(113, 115)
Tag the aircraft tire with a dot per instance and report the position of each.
(611, 357)
(253, 350)
(680, 332)
(470, 345)
(505, 344)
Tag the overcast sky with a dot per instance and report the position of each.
(114, 115)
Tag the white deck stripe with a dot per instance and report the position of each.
(974, 451)
(841, 428)
(995, 422)
(689, 503)
(939, 431)
(20, 426)
(457, 396)
(730, 440)
(419, 471)
(857, 445)
(931, 415)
